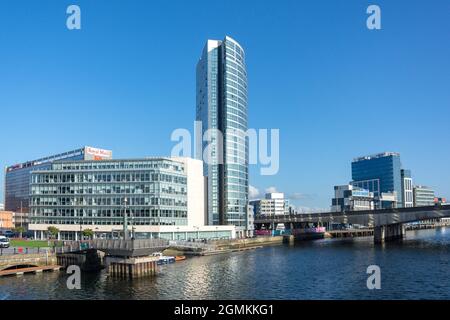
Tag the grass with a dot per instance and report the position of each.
(31, 243)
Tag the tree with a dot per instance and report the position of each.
(88, 233)
(53, 232)
(19, 230)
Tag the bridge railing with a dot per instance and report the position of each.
(112, 244)
(128, 244)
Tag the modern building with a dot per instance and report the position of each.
(6, 220)
(380, 173)
(350, 198)
(423, 196)
(222, 110)
(274, 204)
(144, 198)
(407, 189)
(17, 177)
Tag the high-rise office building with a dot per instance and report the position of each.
(17, 177)
(380, 174)
(222, 105)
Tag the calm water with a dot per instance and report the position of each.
(417, 268)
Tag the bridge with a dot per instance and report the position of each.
(117, 247)
(388, 224)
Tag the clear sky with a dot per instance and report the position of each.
(335, 89)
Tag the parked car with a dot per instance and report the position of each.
(4, 242)
(7, 233)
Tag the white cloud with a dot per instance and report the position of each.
(253, 192)
(271, 190)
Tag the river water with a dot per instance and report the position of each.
(415, 268)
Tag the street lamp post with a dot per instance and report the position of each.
(198, 233)
(81, 229)
(125, 220)
(132, 225)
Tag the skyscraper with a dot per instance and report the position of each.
(222, 105)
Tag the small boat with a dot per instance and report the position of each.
(162, 259)
(180, 258)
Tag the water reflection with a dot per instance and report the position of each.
(415, 268)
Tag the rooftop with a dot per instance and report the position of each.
(376, 156)
(56, 157)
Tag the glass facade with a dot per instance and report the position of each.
(379, 174)
(222, 105)
(17, 179)
(95, 193)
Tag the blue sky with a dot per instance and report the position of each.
(335, 89)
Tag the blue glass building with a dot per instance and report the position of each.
(380, 173)
(222, 105)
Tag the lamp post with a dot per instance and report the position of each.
(198, 233)
(81, 229)
(125, 220)
(132, 224)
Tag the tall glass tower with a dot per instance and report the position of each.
(222, 105)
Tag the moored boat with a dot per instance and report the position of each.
(162, 259)
(180, 258)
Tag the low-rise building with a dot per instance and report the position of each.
(6, 220)
(273, 204)
(350, 198)
(423, 196)
(149, 198)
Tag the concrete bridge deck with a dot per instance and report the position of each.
(372, 218)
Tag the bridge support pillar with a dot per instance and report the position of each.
(389, 232)
(131, 267)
